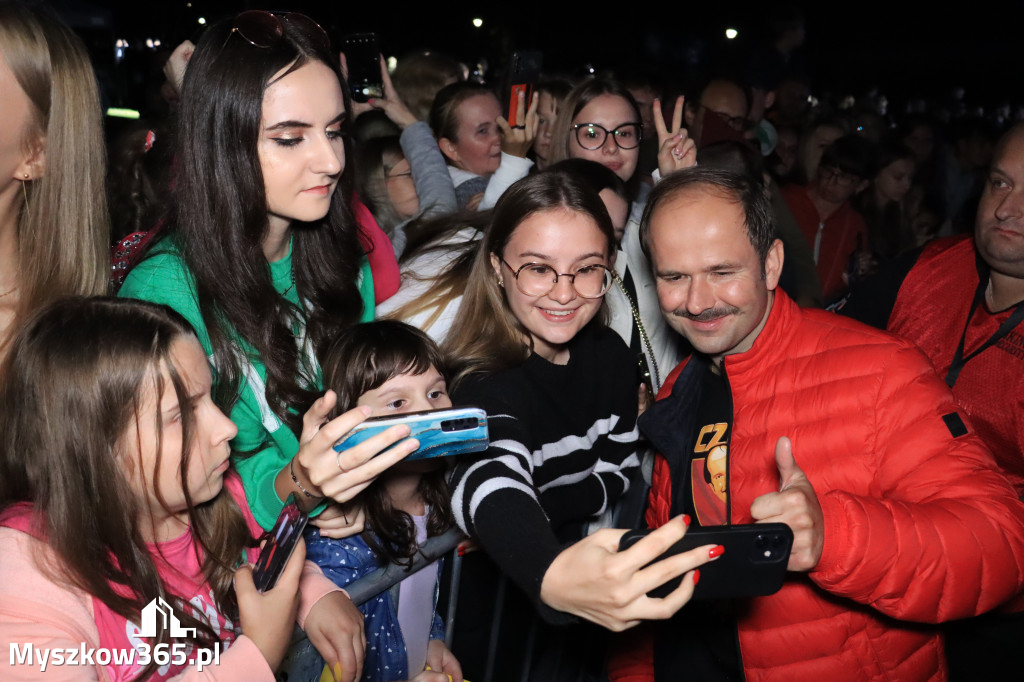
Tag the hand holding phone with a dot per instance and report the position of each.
(281, 542)
(268, 618)
(441, 433)
(340, 476)
(753, 563)
(362, 54)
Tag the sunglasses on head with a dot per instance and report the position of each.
(265, 29)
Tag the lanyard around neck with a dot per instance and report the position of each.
(959, 361)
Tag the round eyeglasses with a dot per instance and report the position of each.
(538, 279)
(592, 136)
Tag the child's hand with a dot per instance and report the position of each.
(431, 676)
(340, 520)
(335, 627)
(440, 658)
(268, 619)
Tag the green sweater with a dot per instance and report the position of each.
(163, 277)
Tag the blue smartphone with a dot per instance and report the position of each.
(281, 542)
(441, 433)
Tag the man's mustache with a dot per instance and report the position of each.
(708, 315)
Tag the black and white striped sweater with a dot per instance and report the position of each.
(563, 444)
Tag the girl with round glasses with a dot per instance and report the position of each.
(560, 392)
(263, 259)
(600, 121)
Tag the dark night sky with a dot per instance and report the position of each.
(906, 51)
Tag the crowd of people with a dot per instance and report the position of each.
(678, 312)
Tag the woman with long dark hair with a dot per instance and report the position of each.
(262, 255)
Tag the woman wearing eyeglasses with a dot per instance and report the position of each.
(600, 121)
(262, 256)
(559, 389)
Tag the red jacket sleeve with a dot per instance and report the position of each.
(942, 534)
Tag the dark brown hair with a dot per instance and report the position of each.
(363, 359)
(220, 221)
(75, 380)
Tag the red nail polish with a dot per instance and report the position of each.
(716, 551)
(461, 551)
(686, 520)
(696, 576)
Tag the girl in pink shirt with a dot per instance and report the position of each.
(125, 537)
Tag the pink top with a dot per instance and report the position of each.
(53, 616)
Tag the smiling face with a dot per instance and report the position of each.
(609, 112)
(999, 228)
(568, 242)
(301, 150)
(709, 277)
(408, 392)
(156, 463)
(477, 144)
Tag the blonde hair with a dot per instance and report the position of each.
(63, 228)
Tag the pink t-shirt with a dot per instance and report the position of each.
(23, 618)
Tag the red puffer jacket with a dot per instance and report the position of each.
(919, 525)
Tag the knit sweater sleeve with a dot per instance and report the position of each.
(494, 498)
(553, 460)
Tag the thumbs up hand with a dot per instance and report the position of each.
(795, 505)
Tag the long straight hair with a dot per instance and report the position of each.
(63, 229)
(487, 336)
(220, 220)
(71, 387)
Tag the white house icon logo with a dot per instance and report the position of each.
(158, 608)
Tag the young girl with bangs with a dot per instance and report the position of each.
(391, 368)
(116, 490)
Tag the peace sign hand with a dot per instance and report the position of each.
(676, 150)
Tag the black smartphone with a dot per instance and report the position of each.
(753, 565)
(281, 542)
(362, 54)
(523, 72)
